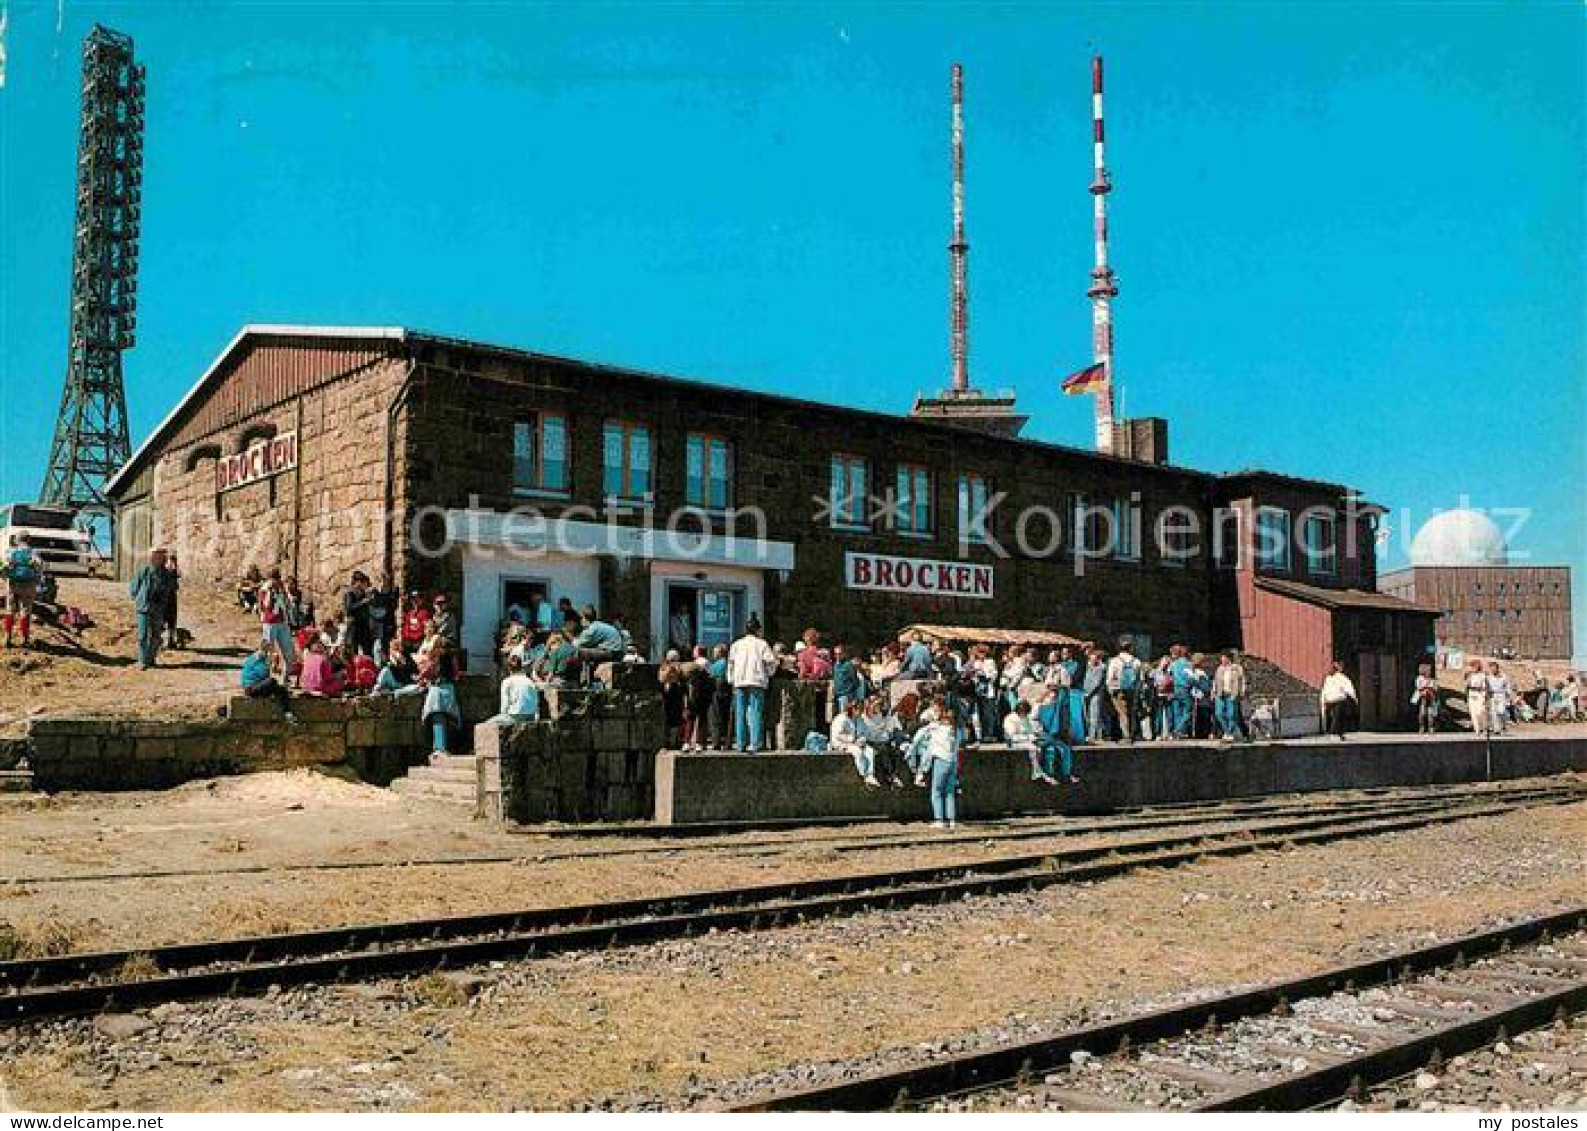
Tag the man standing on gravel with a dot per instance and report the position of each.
(151, 601)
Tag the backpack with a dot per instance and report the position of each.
(21, 567)
(1129, 676)
(816, 743)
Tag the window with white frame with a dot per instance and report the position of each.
(975, 495)
(1322, 545)
(848, 499)
(912, 505)
(1272, 538)
(1126, 530)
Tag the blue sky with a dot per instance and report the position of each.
(1350, 240)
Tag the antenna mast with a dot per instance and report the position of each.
(1103, 289)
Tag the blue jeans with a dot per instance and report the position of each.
(944, 787)
(438, 730)
(1179, 709)
(149, 628)
(1055, 751)
(749, 705)
(1226, 709)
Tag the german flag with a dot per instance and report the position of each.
(1088, 380)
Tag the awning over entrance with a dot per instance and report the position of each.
(534, 533)
(957, 634)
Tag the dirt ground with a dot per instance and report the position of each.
(573, 1030)
(296, 850)
(96, 671)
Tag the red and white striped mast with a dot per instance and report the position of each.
(959, 250)
(1103, 288)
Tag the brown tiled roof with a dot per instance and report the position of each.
(1341, 598)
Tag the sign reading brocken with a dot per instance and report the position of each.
(917, 576)
(260, 461)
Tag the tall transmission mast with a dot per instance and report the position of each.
(959, 403)
(1103, 287)
(959, 249)
(91, 432)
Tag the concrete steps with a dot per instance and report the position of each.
(16, 781)
(451, 780)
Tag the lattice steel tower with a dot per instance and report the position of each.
(91, 432)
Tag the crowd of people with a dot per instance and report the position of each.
(1494, 704)
(886, 709)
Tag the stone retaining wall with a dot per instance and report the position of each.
(590, 758)
(377, 737)
(796, 786)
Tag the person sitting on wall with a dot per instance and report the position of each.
(884, 733)
(1049, 718)
(845, 738)
(559, 663)
(320, 676)
(362, 673)
(399, 676)
(258, 683)
(520, 698)
(596, 641)
(415, 621)
(441, 712)
(1022, 734)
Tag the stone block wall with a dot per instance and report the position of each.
(590, 758)
(377, 737)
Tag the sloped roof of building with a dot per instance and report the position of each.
(1342, 598)
(215, 373)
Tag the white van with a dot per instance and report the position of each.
(55, 535)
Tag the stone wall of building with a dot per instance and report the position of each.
(459, 451)
(318, 521)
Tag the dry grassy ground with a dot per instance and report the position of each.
(96, 672)
(565, 1031)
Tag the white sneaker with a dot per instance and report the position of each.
(870, 780)
(939, 824)
(920, 780)
(953, 824)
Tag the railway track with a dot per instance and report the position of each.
(86, 983)
(1286, 1046)
(983, 832)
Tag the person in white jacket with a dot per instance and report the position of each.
(1022, 733)
(1500, 694)
(750, 664)
(845, 737)
(1338, 692)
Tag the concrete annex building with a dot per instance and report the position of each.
(291, 447)
(1460, 565)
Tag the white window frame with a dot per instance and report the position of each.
(1267, 555)
(848, 503)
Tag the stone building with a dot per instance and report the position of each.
(687, 507)
(1460, 566)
